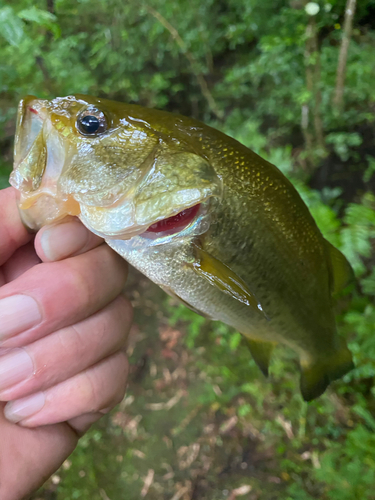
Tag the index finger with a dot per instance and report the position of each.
(13, 233)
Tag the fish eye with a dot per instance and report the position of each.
(91, 122)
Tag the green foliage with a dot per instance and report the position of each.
(253, 57)
(343, 142)
(11, 26)
(348, 471)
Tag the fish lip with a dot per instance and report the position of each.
(27, 145)
(22, 143)
(30, 109)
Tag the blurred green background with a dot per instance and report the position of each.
(199, 420)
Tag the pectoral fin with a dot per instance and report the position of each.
(317, 374)
(222, 277)
(341, 271)
(261, 352)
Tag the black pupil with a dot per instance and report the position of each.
(89, 124)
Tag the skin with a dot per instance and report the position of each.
(77, 350)
(146, 165)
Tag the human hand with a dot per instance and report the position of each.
(63, 327)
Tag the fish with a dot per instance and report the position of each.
(212, 223)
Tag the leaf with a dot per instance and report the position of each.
(41, 17)
(368, 284)
(11, 27)
(370, 170)
(366, 415)
(37, 16)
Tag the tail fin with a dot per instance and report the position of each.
(317, 374)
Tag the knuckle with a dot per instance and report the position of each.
(120, 266)
(123, 359)
(106, 385)
(121, 380)
(112, 258)
(94, 394)
(73, 340)
(119, 320)
(126, 311)
(119, 397)
(79, 283)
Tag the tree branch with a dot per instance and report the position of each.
(317, 93)
(341, 67)
(193, 62)
(51, 6)
(313, 104)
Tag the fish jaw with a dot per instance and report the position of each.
(40, 155)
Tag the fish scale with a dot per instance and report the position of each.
(168, 268)
(248, 252)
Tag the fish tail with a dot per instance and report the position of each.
(317, 374)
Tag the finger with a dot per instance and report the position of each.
(82, 424)
(53, 295)
(23, 259)
(65, 353)
(98, 388)
(69, 238)
(13, 233)
(42, 450)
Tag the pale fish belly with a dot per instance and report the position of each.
(166, 265)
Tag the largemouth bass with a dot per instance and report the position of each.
(197, 212)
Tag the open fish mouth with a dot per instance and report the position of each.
(174, 224)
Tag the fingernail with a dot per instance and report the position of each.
(18, 410)
(17, 314)
(63, 240)
(15, 367)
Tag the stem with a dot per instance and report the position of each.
(309, 75)
(313, 105)
(48, 83)
(39, 60)
(193, 62)
(302, 421)
(51, 6)
(343, 56)
(318, 122)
